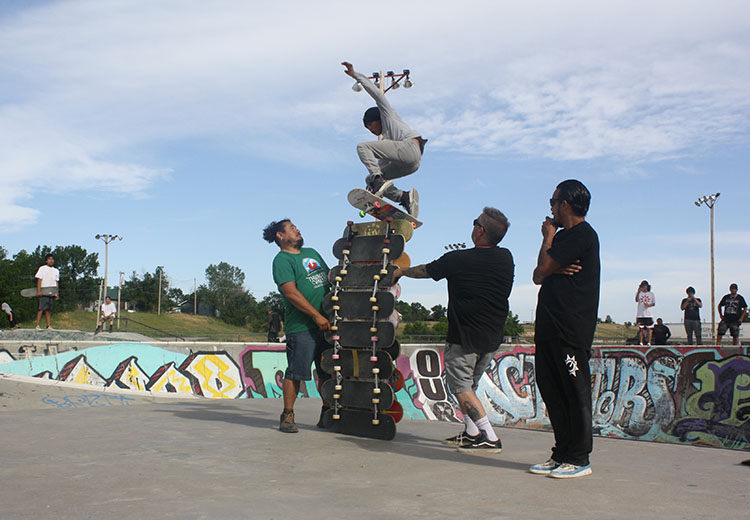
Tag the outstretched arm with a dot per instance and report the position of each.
(368, 85)
(419, 271)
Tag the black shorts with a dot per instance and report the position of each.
(645, 323)
(733, 326)
(46, 303)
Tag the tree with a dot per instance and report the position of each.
(608, 319)
(225, 292)
(419, 312)
(417, 328)
(438, 311)
(513, 326)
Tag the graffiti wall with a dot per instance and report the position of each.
(696, 395)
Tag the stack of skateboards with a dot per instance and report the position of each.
(362, 310)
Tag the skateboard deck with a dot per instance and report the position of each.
(46, 291)
(358, 334)
(351, 304)
(396, 380)
(403, 261)
(359, 423)
(358, 393)
(378, 207)
(369, 248)
(357, 363)
(380, 227)
(362, 275)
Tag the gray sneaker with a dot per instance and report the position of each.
(286, 423)
(410, 201)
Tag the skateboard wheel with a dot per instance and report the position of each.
(338, 279)
(375, 308)
(334, 298)
(349, 223)
(337, 396)
(338, 388)
(413, 224)
(376, 390)
(376, 401)
(389, 219)
(336, 417)
(336, 307)
(384, 271)
(335, 356)
(362, 214)
(337, 368)
(386, 250)
(343, 272)
(374, 338)
(375, 422)
(334, 327)
(373, 329)
(345, 252)
(376, 277)
(375, 370)
(386, 240)
(373, 299)
(336, 338)
(376, 203)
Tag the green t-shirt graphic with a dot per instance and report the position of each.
(310, 273)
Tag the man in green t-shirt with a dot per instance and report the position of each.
(302, 277)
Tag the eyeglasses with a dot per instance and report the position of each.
(477, 224)
(553, 200)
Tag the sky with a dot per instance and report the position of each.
(187, 126)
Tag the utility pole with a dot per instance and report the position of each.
(107, 239)
(158, 304)
(195, 296)
(119, 295)
(710, 200)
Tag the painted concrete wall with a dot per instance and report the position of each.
(695, 395)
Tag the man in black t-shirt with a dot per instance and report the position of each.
(692, 307)
(568, 270)
(479, 284)
(661, 333)
(732, 310)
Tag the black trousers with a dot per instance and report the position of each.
(564, 380)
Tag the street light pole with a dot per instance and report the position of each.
(710, 200)
(107, 239)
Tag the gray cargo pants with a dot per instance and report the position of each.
(391, 159)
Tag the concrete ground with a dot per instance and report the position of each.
(226, 459)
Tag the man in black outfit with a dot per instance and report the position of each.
(568, 271)
(661, 333)
(274, 326)
(732, 311)
(479, 282)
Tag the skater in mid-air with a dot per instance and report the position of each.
(397, 154)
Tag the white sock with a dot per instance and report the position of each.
(484, 425)
(471, 428)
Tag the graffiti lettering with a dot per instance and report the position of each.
(87, 400)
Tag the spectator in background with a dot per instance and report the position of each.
(645, 312)
(47, 277)
(109, 310)
(732, 309)
(11, 317)
(692, 307)
(274, 326)
(661, 333)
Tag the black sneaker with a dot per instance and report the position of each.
(286, 423)
(378, 185)
(461, 439)
(323, 421)
(482, 445)
(410, 202)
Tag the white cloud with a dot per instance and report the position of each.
(576, 80)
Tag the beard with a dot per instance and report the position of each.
(555, 222)
(299, 243)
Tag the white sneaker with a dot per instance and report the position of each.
(50, 328)
(566, 470)
(37, 328)
(545, 468)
